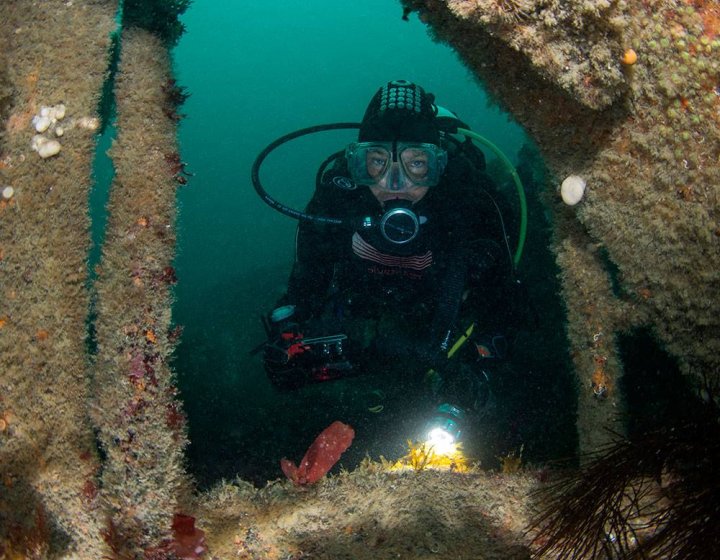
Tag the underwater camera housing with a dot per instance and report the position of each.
(302, 361)
(292, 360)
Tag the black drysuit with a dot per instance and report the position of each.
(411, 294)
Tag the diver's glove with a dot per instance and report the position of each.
(284, 338)
(491, 346)
(284, 343)
(458, 371)
(281, 362)
(431, 356)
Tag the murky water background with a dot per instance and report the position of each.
(256, 71)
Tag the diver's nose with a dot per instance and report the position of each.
(395, 182)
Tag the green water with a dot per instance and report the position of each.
(255, 71)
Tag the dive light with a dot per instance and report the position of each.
(444, 430)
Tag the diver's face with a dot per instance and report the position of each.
(395, 181)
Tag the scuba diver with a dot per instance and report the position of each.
(403, 265)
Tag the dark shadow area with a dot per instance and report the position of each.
(538, 391)
(428, 537)
(656, 392)
(6, 99)
(160, 17)
(27, 528)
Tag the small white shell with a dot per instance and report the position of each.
(8, 192)
(88, 123)
(59, 111)
(37, 140)
(572, 190)
(49, 149)
(59, 131)
(46, 148)
(41, 123)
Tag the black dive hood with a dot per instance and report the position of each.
(398, 224)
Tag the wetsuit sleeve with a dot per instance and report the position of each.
(449, 297)
(472, 247)
(317, 250)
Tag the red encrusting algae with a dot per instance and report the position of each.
(187, 543)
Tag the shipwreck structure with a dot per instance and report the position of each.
(624, 94)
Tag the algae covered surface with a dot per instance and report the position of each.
(373, 513)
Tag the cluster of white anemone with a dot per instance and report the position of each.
(49, 125)
(48, 121)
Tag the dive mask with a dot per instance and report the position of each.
(400, 164)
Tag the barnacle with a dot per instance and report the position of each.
(629, 57)
(5, 418)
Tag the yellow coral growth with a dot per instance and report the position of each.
(511, 463)
(421, 456)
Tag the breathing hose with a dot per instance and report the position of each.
(279, 206)
(518, 185)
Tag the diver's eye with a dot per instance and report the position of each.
(415, 162)
(376, 162)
